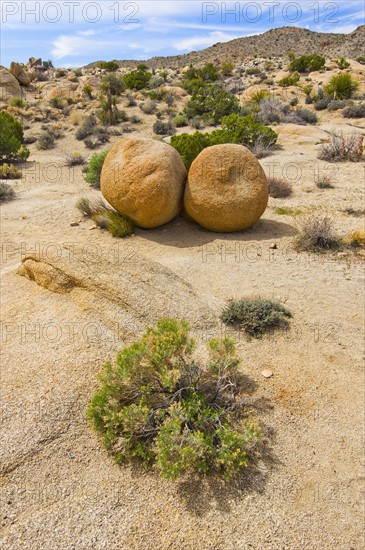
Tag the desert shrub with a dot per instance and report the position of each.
(108, 113)
(290, 80)
(209, 72)
(341, 148)
(148, 107)
(110, 66)
(325, 182)
(227, 68)
(343, 63)
(77, 118)
(113, 84)
(56, 102)
(355, 239)
(155, 81)
(86, 129)
(77, 72)
(253, 71)
(118, 225)
(336, 104)
(341, 86)
(317, 235)
(17, 102)
(48, 64)
(306, 116)
(11, 138)
(357, 213)
(279, 188)
(294, 102)
(260, 96)
(60, 73)
(93, 169)
(260, 148)
(361, 59)
(158, 405)
(137, 79)
(256, 315)
(287, 211)
(272, 110)
(196, 122)
(322, 104)
(46, 140)
(307, 63)
(212, 103)
(134, 119)
(180, 121)
(7, 193)
(9, 172)
(235, 129)
(130, 101)
(74, 159)
(88, 91)
(163, 128)
(354, 111)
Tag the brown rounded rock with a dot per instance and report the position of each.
(227, 189)
(144, 179)
(20, 74)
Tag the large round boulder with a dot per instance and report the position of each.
(144, 179)
(20, 74)
(227, 189)
(9, 86)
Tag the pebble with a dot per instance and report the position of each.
(267, 373)
(93, 227)
(74, 224)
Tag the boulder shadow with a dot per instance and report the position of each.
(183, 233)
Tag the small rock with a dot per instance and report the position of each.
(273, 246)
(93, 227)
(267, 373)
(74, 224)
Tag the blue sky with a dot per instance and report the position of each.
(74, 33)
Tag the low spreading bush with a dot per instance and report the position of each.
(148, 107)
(212, 103)
(354, 111)
(341, 148)
(113, 84)
(74, 159)
(163, 128)
(110, 66)
(7, 193)
(290, 80)
(158, 405)
(355, 239)
(307, 63)
(322, 104)
(256, 316)
(279, 188)
(305, 116)
(180, 121)
(343, 63)
(317, 235)
(137, 79)
(94, 167)
(336, 104)
(45, 141)
(9, 172)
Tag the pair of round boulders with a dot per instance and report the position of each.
(145, 180)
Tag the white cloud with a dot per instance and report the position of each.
(203, 41)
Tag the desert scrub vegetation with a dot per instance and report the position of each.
(256, 315)
(355, 239)
(325, 181)
(341, 86)
(342, 147)
(279, 188)
(180, 121)
(110, 66)
(137, 79)
(11, 139)
(290, 80)
(307, 63)
(113, 84)
(211, 102)
(235, 129)
(7, 193)
(9, 172)
(354, 111)
(317, 234)
(92, 171)
(46, 140)
(105, 217)
(74, 159)
(163, 128)
(108, 112)
(158, 405)
(287, 211)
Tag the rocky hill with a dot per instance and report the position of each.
(273, 43)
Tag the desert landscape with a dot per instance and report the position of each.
(78, 286)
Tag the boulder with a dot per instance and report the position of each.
(20, 74)
(144, 179)
(66, 90)
(35, 62)
(227, 189)
(9, 86)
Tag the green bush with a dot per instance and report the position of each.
(180, 121)
(46, 140)
(290, 80)
(113, 84)
(17, 102)
(11, 138)
(137, 79)
(341, 86)
(322, 104)
(306, 116)
(343, 63)
(56, 102)
(256, 316)
(227, 68)
(108, 112)
(9, 172)
(163, 128)
(158, 405)
(235, 129)
(110, 66)
(307, 63)
(212, 103)
(361, 59)
(93, 169)
(88, 91)
(336, 104)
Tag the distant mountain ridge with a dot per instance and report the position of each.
(273, 43)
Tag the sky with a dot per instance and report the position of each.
(74, 33)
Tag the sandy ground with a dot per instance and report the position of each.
(60, 489)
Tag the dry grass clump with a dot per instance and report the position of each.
(355, 239)
(75, 159)
(279, 188)
(340, 148)
(105, 217)
(77, 118)
(7, 193)
(317, 234)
